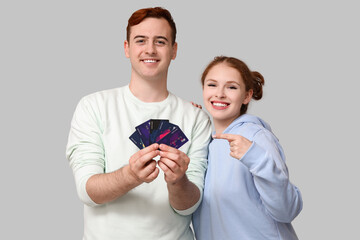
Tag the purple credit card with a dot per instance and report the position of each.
(165, 129)
(176, 138)
(155, 128)
(136, 138)
(158, 131)
(144, 132)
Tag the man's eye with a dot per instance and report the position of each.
(160, 42)
(140, 41)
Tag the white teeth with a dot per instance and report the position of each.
(220, 104)
(149, 61)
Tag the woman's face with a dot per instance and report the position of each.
(224, 93)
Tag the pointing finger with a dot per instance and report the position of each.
(229, 137)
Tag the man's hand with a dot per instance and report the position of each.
(239, 145)
(143, 166)
(106, 187)
(183, 194)
(173, 162)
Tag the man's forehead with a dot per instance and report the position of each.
(151, 27)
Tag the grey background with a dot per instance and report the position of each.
(54, 52)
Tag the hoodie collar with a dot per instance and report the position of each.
(248, 118)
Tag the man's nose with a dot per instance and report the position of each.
(150, 48)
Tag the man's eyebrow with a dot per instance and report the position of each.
(156, 37)
(139, 36)
(161, 37)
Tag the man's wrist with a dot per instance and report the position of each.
(126, 175)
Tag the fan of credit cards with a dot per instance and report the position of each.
(158, 131)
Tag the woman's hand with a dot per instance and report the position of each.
(239, 145)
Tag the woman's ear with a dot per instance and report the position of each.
(248, 97)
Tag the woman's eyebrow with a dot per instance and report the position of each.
(233, 82)
(210, 80)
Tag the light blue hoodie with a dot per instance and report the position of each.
(250, 198)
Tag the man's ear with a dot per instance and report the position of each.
(174, 51)
(126, 48)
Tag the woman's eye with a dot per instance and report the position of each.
(233, 87)
(211, 85)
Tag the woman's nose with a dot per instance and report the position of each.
(220, 93)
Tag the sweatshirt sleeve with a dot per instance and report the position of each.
(266, 161)
(85, 150)
(197, 153)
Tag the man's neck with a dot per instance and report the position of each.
(149, 91)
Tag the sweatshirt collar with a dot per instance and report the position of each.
(130, 96)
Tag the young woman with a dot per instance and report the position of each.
(247, 193)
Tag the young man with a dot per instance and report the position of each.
(126, 193)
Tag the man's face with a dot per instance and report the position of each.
(150, 49)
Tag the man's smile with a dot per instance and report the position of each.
(150, 60)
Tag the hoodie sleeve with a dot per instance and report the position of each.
(266, 162)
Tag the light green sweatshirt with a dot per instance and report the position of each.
(99, 142)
